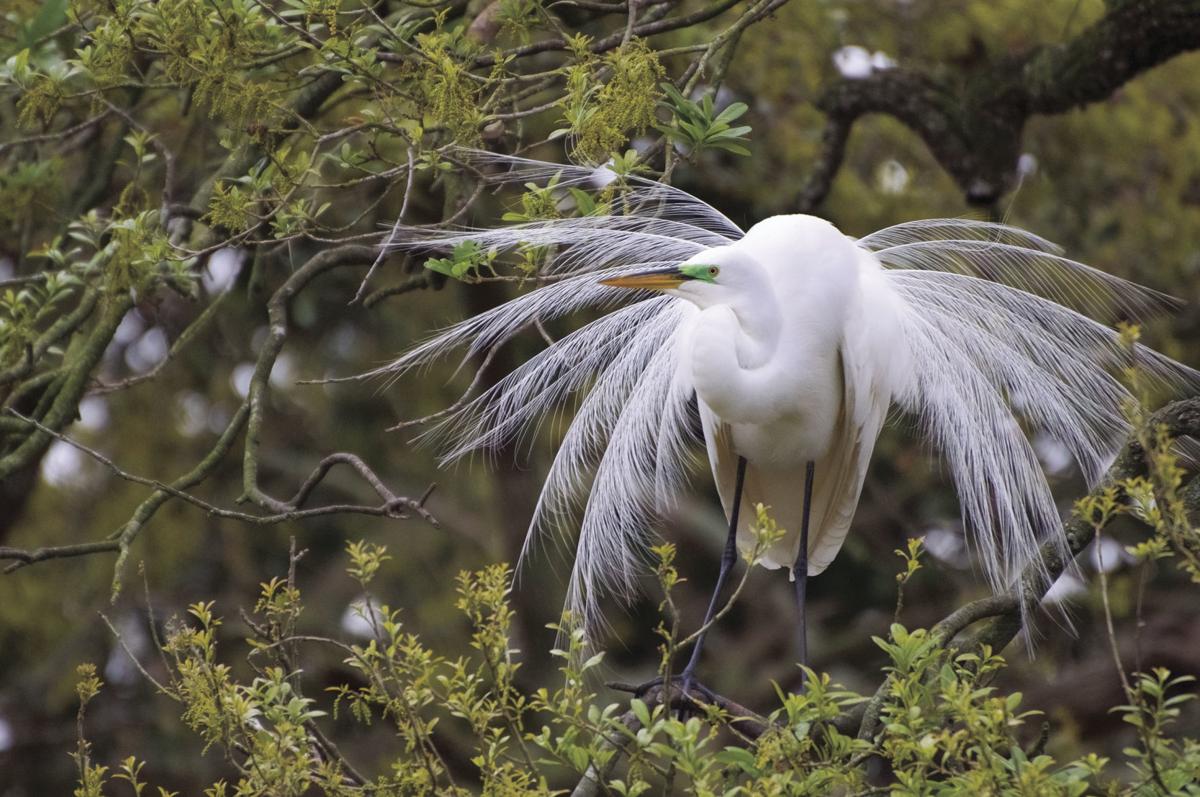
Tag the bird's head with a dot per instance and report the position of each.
(715, 276)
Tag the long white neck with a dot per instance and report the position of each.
(732, 344)
(759, 323)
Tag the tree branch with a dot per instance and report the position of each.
(649, 28)
(972, 121)
(64, 401)
(393, 506)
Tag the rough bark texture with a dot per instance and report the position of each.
(972, 119)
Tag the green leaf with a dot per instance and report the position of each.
(738, 757)
(695, 127)
(440, 265)
(730, 146)
(737, 132)
(584, 202)
(732, 111)
(640, 711)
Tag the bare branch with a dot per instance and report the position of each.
(383, 250)
(393, 506)
(27, 557)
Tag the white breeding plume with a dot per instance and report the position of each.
(791, 341)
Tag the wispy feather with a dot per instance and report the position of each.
(1004, 335)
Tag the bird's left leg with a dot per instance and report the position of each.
(800, 569)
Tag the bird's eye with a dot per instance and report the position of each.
(713, 271)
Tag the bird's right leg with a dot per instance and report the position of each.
(687, 679)
(728, 558)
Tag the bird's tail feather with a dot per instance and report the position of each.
(1009, 256)
(618, 523)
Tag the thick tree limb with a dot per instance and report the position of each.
(64, 402)
(972, 120)
(829, 161)
(60, 329)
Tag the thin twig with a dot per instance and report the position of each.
(25, 557)
(393, 506)
(187, 336)
(383, 250)
(462, 400)
(58, 135)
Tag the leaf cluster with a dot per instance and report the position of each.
(608, 98)
(698, 126)
(945, 729)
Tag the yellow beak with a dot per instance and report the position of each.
(658, 280)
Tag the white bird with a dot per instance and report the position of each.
(791, 342)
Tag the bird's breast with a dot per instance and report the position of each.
(782, 412)
(787, 442)
(801, 424)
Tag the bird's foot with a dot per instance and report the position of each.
(685, 694)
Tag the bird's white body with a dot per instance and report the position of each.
(791, 341)
(809, 384)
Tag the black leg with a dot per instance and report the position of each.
(800, 570)
(728, 557)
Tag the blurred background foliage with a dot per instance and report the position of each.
(279, 131)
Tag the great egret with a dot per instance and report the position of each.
(790, 342)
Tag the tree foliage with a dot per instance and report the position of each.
(937, 725)
(192, 198)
